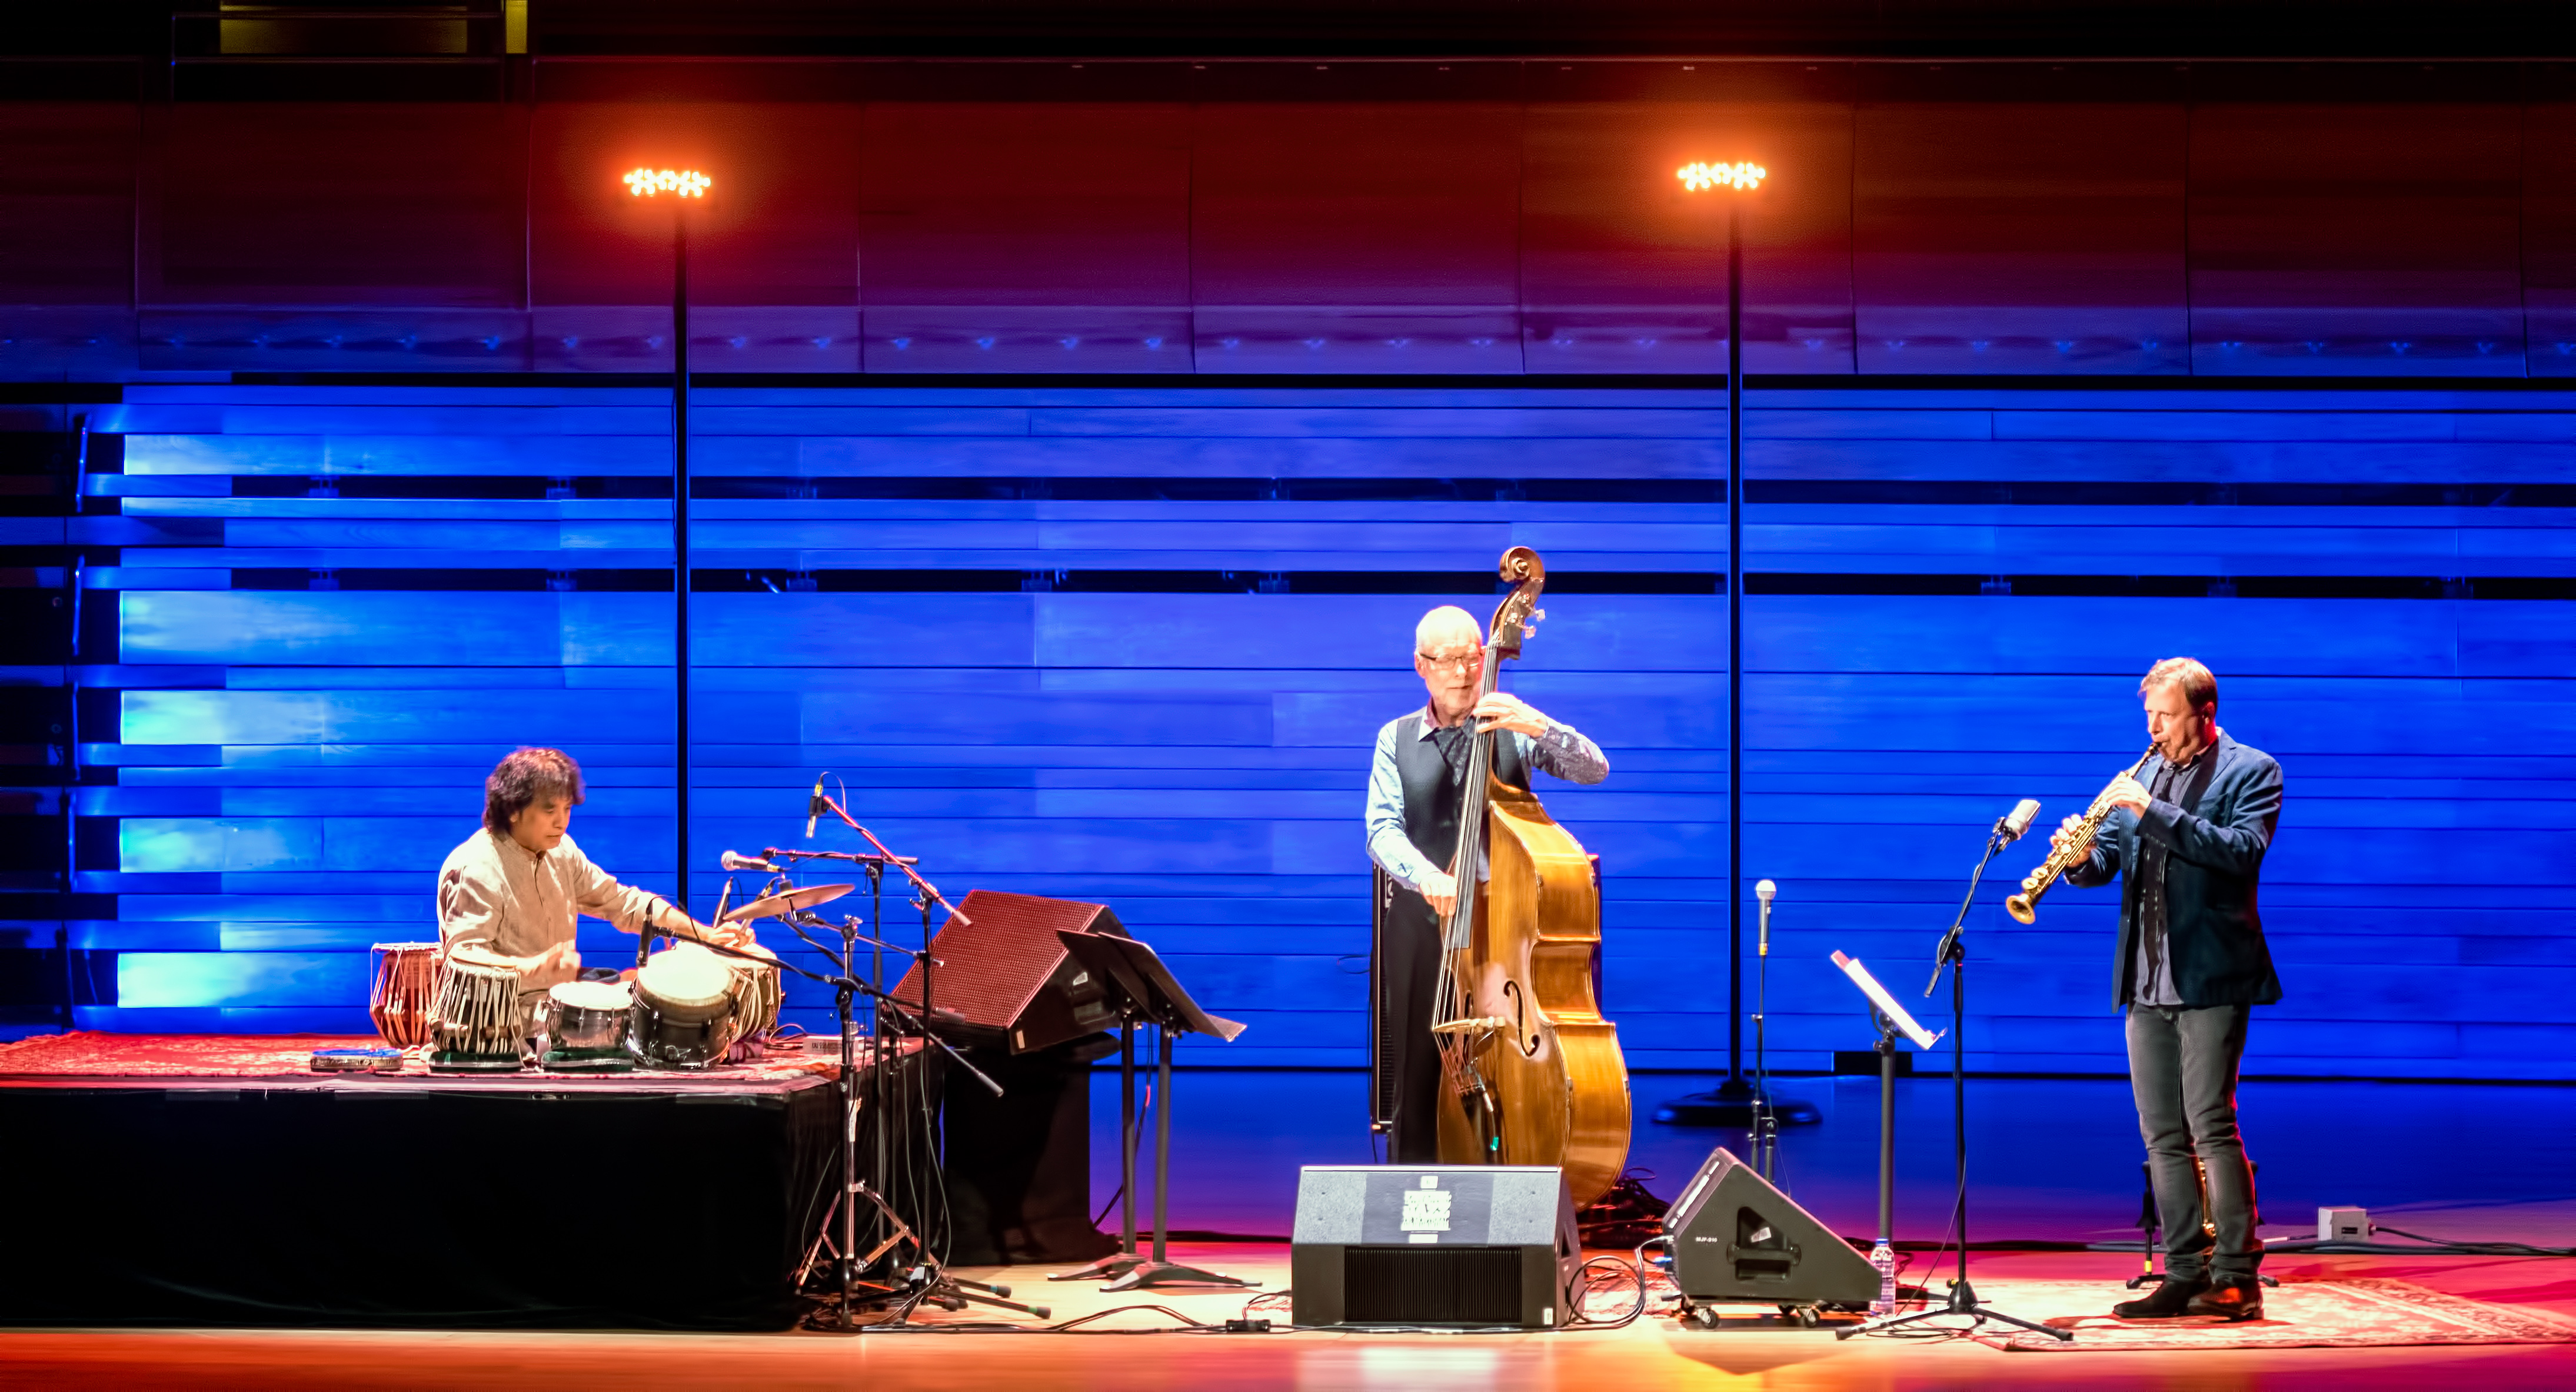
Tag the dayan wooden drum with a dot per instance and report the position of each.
(757, 992)
(480, 1027)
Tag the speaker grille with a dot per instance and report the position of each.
(1001, 957)
(1431, 1285)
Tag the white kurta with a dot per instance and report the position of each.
(519, 903)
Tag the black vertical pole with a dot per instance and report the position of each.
(1127, 1137)
(1734, 643)
(1959, 1092)
(1886, 1134)
(680, 532)
(1162, 1139)
(680, 512)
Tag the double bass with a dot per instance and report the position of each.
(1531, 1072)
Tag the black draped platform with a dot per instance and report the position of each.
(529, 1201)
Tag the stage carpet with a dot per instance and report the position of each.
(1751, 1351)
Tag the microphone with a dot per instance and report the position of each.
(814, 805)
(1763, 890)
(2018, 820)
(736, 861)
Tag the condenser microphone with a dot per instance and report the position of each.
(1763, 890)
(734, 860)
(814, 805)
(2017, 821)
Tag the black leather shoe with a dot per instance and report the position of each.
(2231, 1301)
(2168, 1301)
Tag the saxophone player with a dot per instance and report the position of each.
(2188, 843)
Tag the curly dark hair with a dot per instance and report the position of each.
(521, 778)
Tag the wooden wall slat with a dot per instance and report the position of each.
(293, 762)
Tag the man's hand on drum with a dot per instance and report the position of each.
(1441, 889)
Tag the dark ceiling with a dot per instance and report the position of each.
(2205, 29)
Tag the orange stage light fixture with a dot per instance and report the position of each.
(1699, 175)
(680, 183)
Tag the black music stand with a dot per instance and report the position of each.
(1131, 973)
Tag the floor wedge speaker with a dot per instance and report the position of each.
(1735, 1238)
(1453, 1246)
(1006, 976)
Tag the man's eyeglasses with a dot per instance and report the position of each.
(1471, 659)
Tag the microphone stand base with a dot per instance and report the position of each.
(1114, 1265)
(1146, 1275)
(1962, 1301)
(1734, 1103)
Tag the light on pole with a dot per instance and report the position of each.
(1736, 1102)
(682, 187)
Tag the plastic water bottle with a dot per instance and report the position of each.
(1885, 1261)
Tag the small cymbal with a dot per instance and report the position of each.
(792, 901)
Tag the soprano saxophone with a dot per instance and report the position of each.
(2024, 907)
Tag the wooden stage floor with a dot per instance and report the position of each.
(2465, 1163)
(1652, 1353)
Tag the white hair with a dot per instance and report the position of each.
(1447, 616)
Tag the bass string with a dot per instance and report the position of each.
(1458, 929)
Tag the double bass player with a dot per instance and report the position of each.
(1417, 783)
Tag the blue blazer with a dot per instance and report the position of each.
(2213, 855)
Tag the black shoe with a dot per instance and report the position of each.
(2169, 1301)
(2230, 1300)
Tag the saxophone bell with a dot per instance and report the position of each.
(2024, 907)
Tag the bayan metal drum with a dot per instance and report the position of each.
(587, 1026)
(479, 1027)
(757, 993)
(404, 993)
(683, 1015)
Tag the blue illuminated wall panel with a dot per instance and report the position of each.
(1131, 644)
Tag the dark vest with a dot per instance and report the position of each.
(1432, 795)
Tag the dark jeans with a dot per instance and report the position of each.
(2182, 1066)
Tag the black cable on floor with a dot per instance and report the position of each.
(1586, 1281)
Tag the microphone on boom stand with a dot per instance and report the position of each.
(1951, 959)
(814, 804)
(735, 860)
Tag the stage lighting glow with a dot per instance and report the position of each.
(680, 183)
(1699, 175)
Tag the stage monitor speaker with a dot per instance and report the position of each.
(1467, 1246)
(1737, 1238)
(1008, 977)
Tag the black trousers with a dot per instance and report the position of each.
(2182, 1067)
(1408, 956)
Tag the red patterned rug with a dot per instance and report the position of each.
(95, 1054)
(2351, 1312)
